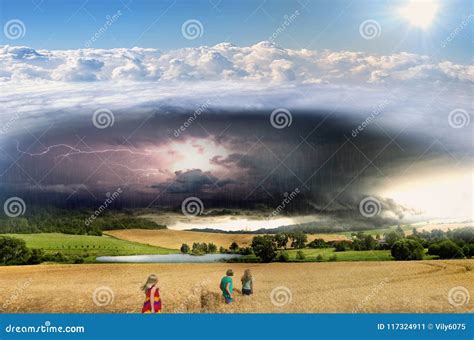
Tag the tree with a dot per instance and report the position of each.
(234, 247)
(264, 247)
(369, 242)
(281, 240)
(407, 249)
(36, 256)
(13, 251)
(449, 250)
(317, 243)
(211, 248)
(391, 237)
(340, 246)
(184, 248)
(400, 231)
(298, 240)
(222, 250)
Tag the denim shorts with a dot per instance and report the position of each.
(246, 291)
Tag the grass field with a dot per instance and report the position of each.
(173, 239)
(390, 286)
(349, 255)
(91, 245)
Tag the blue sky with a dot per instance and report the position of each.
(54, 24)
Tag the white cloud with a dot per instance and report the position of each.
(263, 61)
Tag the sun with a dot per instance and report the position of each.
(420, 13)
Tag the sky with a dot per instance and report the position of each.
(340, 112)
(320, 24)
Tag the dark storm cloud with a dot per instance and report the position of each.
(317, 153)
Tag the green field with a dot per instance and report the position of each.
(349, 255)
(89, 246)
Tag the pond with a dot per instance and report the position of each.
(170, 258)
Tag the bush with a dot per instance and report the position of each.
(341, 246)
(13, 251)
(222, 250)
(245, 251)
(433, 249)
(407, 250)
(36, 256)
(468, 250)
(449, 250)
(184, 248)
(300, 255)
(333, 258)
(319, 258)
(283, 257)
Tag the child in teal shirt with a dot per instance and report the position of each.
(226, 286)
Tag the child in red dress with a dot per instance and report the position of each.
(153, 300)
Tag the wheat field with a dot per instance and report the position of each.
(173, 239)
(421, 286)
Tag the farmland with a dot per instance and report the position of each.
(92, 246)
(173, 239)
(389, 286)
